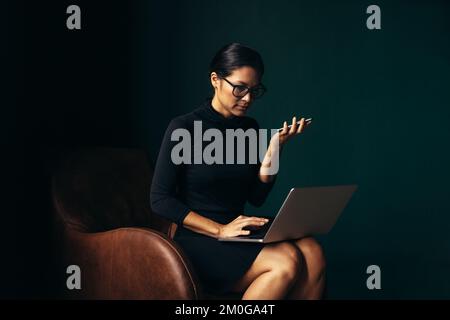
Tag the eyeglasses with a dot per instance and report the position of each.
(240, 91)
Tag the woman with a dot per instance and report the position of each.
(206, 200)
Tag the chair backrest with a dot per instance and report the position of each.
(100, 189)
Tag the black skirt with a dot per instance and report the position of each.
(217, 264)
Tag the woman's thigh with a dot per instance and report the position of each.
(272, 256)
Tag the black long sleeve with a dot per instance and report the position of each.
(260, 191)
(214, 188)
(163, 198)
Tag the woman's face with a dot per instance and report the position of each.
(224, 100)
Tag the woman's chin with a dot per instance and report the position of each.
(240, 111)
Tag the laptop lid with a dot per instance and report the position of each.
(309, 211)
(305, 212)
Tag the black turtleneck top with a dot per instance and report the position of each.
(213, 190)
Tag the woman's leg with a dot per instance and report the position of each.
(272, 274)
(311, 282)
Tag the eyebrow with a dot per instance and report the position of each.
(246, 84)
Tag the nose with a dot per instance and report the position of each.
(247, 98)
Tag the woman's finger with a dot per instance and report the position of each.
(240, 217)
(301, 126)
(253, 222)
(285, 128)
(261, 219)
(294, 126)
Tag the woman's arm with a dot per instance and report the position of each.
(163, 198)
(200, 224)
(276, 146)
(264, 171)
(164, 201)
(270, 165)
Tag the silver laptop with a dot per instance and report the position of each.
(305, 212)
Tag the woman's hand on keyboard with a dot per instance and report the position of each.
(236, 227)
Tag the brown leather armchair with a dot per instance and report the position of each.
(124, 251)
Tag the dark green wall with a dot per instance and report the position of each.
(380, 102)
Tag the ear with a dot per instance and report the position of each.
(214, 80)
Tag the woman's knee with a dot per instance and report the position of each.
(288, 262)
(282, 260)
(313, 252)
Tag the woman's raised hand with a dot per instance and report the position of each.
(287, 133)
(235, 227)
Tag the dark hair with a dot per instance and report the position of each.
(233, 56)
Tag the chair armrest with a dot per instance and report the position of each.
(129, 263)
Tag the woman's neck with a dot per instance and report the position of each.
(219, 108)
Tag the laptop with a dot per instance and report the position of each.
(305, 212)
